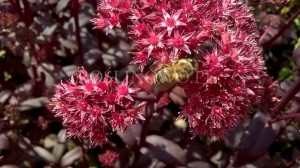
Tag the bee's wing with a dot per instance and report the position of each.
(156, 89)
(156, 66)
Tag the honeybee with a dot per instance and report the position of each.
(169, 75)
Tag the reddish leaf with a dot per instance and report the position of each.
(165, 150)
(296, 57)
(45, 154)
(4, 143)
(175, 135)
(256, 140)
(68, 44)
(199, 164)
(33, 103)
(9, 166)
(156, 122)
(268, 35)
(92, 56)
(4, 95)
(234, 137)
(196, 151)
(270, 24)
(71, 156)
(131, 135)
(61, 5)
(50, 141)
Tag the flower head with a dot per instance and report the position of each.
(108, 158)
(90, 108)
(230, 80)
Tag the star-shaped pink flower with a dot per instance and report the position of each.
(179, 42)
(170, 22)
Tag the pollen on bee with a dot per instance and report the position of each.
(170, 75)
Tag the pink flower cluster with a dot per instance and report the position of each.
(91, 108)
(109, 158)
(231, 78)
(162, 29)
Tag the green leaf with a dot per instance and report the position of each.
(285, 73)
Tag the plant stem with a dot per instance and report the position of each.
(288, 96)
(27, 16)
(34, 53)
(143, 135)
(282, 30)
(75, 13)
(292, 116)
(16, 7)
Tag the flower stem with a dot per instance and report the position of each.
(288, 96)
(27, 15)
(143, 135)
(75, 13)
(292, 116)
(282, 30)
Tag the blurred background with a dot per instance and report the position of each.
(45, 41)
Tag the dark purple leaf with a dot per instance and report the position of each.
(119, 55)
(47, 69)
(45, 154)
(296, 57)
(61, 5)
(69, 70)
(196, 151)
(4, 95)
(24, 91)
(4, 143)
(199, 164)
(176, 135)
(124, 45)
(131, 135)
(59, 150)
(92, 56)
(165, 150)
(49, 30)
(234, 137)
(270, 24)
(33, 103)
(146, 160)
(60, 53)
(62, 136)
(268, 35)
(285, 85)
(52, 1)
(68, 44)
(291, 133)
(9, 166)
(84, 19)
(60, 147)
(262, 162)
(296, 154)
(50, 141)
(256, 140)
(71, 156)
(289, 34)
(156, 122)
